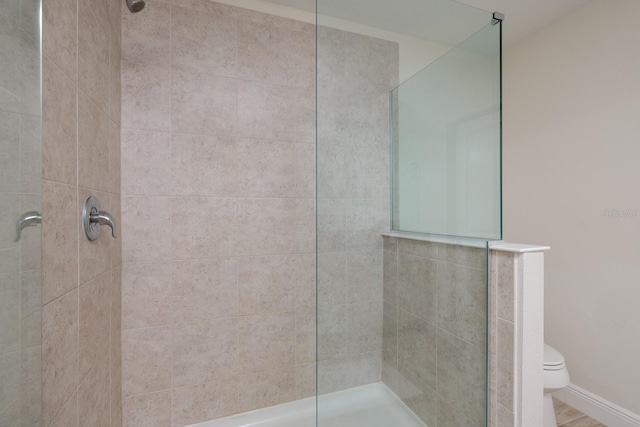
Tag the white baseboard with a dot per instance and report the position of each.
(606, 412)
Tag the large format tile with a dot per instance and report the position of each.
(94, 257)
(146, 237)
(94, 323)
(204, 289)
(266, 342)
(264, 389)
(146, 96)
(364, 327)
(364, 276)
(146, 360)
(275, 226)
(462, 302)
(203, 227)
(305, 335)
(146, 163)
(332, 331)
(332, 278)
(59, 125)
(148, 410)
(59, 240)
(94, 397)
(265, 111)
(203, 402)
(146, 35)
(204, 352)
(461, 375)
(269, 284)
(417, 286)
(265, 53)
(204, 103)
(59, 34)
(59, 353)
(266, 168)
(204, 165)
(203, 42)
(93, 57)
(417, 348)
(146, 295)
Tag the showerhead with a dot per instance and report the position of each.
(135, 5)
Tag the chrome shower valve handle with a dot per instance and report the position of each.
(93, 217)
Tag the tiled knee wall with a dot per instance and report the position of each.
(435, 304)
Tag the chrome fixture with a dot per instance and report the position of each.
(28, 219)
(93, 217)
(135, 5)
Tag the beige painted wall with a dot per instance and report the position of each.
(571, 149)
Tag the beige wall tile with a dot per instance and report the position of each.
(266, 342)
(505, 360)
(331, 224)
(146, 237)
(505, 278)
(203, 227)
(204, 290)
(364, 327)
(146, 163)
(115, 245)
(305, 336)
(146, 95)
(417, 286)
(305, 119)
(333, 169)
(305, 381)
(390, 277)
(93, 395)
(364, 276)
(68, 416)
(204, 165)
(203, 42)
(59, 125)
(148, 410)
(203, 103)
(146, 35)
(418, 396)
(332, 331)
(266, 168)
(146, 295)
(116, 347)
(94, 322)
(59, 34)
(390, 334)
(115, 167)
(366, 220)
(275, 226)
(463, 255)
(115, 49)
(265, 111)
(146, 361)
(417, 340)
(305, 57)
(264, 389)
(332, 278)
(59, 353)
(10, 316)
(204, 352)
(93, 145)
(93, 55)
(419, 249)
(265, 53)
(369, 176)
(204, 402)
(450, 416)
(456, 358)
(462, 302)
(269, 284)
(59, 240)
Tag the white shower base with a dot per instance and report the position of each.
(372, 405)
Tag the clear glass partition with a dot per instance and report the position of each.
(446, 139)
(20, 207)
(402, 321)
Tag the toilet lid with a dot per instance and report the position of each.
(552, 357)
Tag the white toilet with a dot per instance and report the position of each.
(556, 377)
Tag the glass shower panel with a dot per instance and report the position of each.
(20, 207)
(385, 304)
(446, 142)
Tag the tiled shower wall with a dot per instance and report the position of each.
(355, 75)
(435, 308)
(81, 286)
(218, 182)
(20, 191)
